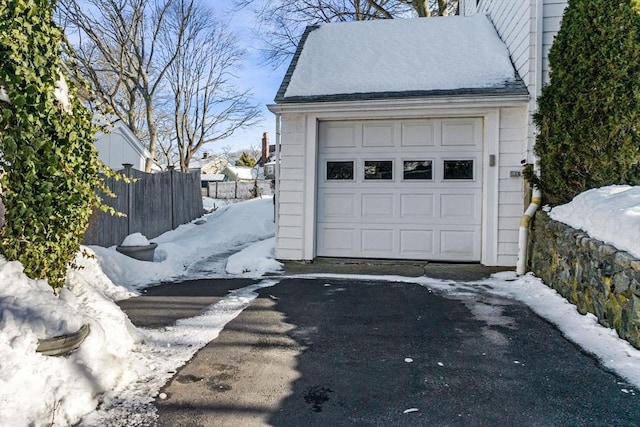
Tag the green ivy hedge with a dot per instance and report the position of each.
(47, 154)
(588, 115)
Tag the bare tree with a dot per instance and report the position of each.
(281, 22)
(207, 106)
(147, 59)
(117, 52)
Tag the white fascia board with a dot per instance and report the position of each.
(476, 101)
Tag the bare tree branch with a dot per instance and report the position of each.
(151, 59)
(207, 105)
(280, 23)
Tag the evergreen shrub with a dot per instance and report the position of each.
(588, 115)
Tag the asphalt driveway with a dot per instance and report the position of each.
(335, 352)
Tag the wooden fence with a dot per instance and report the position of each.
(153, 204)
(238, 189)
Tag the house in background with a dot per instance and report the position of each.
(267, 162)
(209, 164)
(210, 170)
(238, 173)
(396, 149)
(120, 146)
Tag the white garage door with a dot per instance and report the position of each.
(407, 189)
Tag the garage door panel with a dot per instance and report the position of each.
(377, 135)
(377, 241)
(459, 207)
(377, 205)
(337, 241)
(456, 244)
(417, 243)
(418, 134)
(417, 206)
(342, 205)
(339, 135)
(458, 133)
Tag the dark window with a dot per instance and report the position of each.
(418, 169)
(378, 169)
(340, 170)
(458, 169)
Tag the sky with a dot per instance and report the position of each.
(118, 371)
(262, 78)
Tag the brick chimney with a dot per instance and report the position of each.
(265, 148)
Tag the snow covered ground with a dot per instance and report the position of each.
(120, 369)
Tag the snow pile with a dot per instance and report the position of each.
(135, 239)
(118, 368)
(254, 260)
(231, 226)
(36, 388)
(397, 55)
(610, 214)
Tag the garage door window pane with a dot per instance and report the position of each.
(339, 171)
(378, 169)
(418, 169)
(458, 169)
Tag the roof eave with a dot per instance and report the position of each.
(294, 62)
(515, 96)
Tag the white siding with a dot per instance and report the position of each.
(513, 135)
(512, 19)
(467, 7)
(517, 23)
(290, 233)
(115, 149)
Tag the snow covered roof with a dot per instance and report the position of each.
(238, 172)
(213, 177)
(400, 58)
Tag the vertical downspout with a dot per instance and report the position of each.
(536, 196)
(523, 234)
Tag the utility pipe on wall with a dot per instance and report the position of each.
(536, 197)
(523, 235)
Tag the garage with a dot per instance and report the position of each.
(389, 149)
(400, 189)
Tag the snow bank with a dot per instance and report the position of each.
(228, 227)
(610, 214)
(37, 389)
(255, 260)
(119, 368)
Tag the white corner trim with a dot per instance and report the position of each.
(490, 188)
(310, 189)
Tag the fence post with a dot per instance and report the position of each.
(128, 172)
(173, 201)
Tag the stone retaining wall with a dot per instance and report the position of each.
(596, 277)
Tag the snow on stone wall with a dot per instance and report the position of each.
(593, 275)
